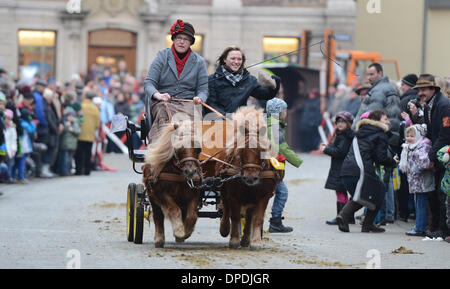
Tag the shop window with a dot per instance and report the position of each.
(37, 52)
(197, 46)
(275, 46)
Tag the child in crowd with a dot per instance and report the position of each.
(136, 107)
(337, 150)
(443, 156)
(277, 112)
(26, 147)
(416, 164)
(10, 140)
(69, 139)
(4, 172)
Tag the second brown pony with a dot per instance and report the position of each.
(248, 195)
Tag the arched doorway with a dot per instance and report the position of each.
(107, 47)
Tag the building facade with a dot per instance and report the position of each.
(58, 38)
(414, 32)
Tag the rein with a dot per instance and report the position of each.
(202, 103)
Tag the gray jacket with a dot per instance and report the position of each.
(162, 77)
(382, 95)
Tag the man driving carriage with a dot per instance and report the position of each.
(176, 74)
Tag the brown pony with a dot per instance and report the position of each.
(170, 163)
(248, 195)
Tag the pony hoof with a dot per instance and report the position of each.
(179, 234)
(179, 240)
(224, 229)
(245, 243)
(255, 247)
(234, 245)
(224, 232)
(159, 244)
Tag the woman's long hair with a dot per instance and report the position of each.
(337, 131)
(161, 151)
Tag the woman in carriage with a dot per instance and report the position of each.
(176, 74)
(231, 85)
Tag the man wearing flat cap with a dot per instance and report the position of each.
(437, 118)
(177, 72)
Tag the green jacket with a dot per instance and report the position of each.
(281, 145)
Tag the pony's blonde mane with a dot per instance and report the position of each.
(241, 116)
(161, 151)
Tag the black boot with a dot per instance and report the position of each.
(339, 207)
(276, 226)
(351, 219)
(368, 225)
(346, 213)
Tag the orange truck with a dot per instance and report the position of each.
(345, 65)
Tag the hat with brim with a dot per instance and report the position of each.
(426, 80)
(180, 27)
(362, 86)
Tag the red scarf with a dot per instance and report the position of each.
(180, 62)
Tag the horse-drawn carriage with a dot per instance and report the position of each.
(194, 164)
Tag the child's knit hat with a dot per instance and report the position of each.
(276, 106)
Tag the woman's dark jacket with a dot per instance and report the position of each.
(338, 150)
(51, 139)
(226, 98)
(373, 147)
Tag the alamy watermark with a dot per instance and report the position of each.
(73, 6)
(74, 256)
(373, 6)
(375, 259)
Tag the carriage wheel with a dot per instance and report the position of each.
(138, 231)
(130, 211)
(241, 225)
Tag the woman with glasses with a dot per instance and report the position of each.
(176, 73)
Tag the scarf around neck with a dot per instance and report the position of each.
(233, 78)
(180, 62)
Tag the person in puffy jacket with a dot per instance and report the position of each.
(382, 95)
(373, 147)
(416, 164)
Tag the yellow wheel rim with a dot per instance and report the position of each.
(135, 215)
(128, 212)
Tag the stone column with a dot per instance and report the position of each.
(156, 27)
(71, 45)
